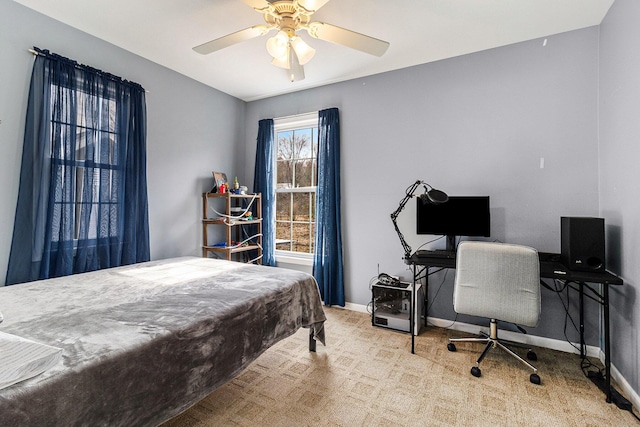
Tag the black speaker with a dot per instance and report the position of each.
(582, 243)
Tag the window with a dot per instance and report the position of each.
(296, 172)
(87, 154)
(82, 202)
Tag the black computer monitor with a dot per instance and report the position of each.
(460, 216)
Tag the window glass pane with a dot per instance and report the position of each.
(304, 170)
(285, 145)
(302, 144)
(301, 206)
(313, 236)
(283, 206)
(314, 174)
(285, 174)
(81, 144)
(302, 237)
(302, 226)
(283, 234)
(314, 140)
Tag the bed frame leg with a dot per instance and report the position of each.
(312, 341)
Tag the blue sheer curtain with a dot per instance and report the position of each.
(263, 182)
(327, 260)
(82, 200)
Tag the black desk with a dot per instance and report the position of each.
(550, 268)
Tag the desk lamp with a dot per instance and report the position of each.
(430, 195)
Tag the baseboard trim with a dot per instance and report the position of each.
(528, 339)
(630, 393)
(355, 307)
(534, 340)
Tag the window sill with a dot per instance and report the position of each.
(298, 260)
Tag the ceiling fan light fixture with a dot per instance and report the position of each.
(278, 45)
(295, 70)
(282, 62)
(303, 51)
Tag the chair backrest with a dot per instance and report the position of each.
(498, 281)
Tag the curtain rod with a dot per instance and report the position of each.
(36, 53)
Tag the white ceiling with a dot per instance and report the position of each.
(419, 31)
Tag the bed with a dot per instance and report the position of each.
(142, 343)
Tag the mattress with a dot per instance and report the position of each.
(140, 344)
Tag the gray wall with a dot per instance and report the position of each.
(619, 134)
(192, 129)
(473, 125)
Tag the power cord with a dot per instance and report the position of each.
(596, 376)
(433, 300)
(426, 273)
(256, 242)
(229, 220)
(444, 278)
(430, 241)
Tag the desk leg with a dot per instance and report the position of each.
(412, 311)
(425, 302)
(607, 350)
(583, 347)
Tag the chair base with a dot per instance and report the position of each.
(492, 341)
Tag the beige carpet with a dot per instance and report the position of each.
(367, 376)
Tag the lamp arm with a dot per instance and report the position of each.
(405, 245)
(394, 217)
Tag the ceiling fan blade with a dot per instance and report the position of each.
(312, 5)
(334, 34)
(231, 39)
(257, 4)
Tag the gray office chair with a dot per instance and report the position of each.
(501, 282)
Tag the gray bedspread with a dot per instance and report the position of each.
(142, 343)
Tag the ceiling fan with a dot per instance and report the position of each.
(287, 48)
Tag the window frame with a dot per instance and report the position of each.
(292, 123)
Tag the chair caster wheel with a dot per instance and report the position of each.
(535, 378)
(532, 355)
(475, 371)
(451, 347)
